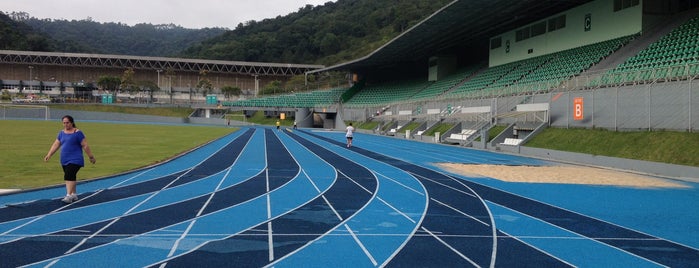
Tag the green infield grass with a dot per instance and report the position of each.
(117, 148)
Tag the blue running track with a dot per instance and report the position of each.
(260, 197)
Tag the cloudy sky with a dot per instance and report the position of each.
(186, 13)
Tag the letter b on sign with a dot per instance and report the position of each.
(578, 109)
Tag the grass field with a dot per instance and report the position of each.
(181, 112)
(672, 147)
(122, 147)
(117, 148)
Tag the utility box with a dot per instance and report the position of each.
(211, 99)
(107, 98)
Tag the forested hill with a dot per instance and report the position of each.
(19, 36)
(332, 33)
(329, 34)
(88, 36)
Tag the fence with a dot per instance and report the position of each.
(656, 104)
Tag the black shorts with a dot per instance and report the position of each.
(70, 172)
(349, 138)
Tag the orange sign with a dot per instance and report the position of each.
(578, 109)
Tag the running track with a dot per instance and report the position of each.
(261, 197)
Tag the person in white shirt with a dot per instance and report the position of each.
(350, 132)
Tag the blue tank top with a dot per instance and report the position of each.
(71, 150)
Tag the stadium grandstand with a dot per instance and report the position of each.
(471, 65)
(57, 77)
(527, 65)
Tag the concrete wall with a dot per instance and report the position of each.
(605, 24)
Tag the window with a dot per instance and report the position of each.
(522, 34)
(557, 23)
(624, 4)
(539, 28)
(495, 42)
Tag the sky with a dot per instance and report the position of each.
(194, 14)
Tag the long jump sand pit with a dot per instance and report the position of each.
(567, 174)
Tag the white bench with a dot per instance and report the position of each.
(463, 135)
(511, 141)
(457, 136)
(468, 131)
(393, 131)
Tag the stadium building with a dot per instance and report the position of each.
(472, 65)
(612, 64)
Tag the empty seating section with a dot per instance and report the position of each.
(516, 74)
(299, 100)
(372, 95)
(565, 64)
(540, 73)
(483, 79)
(673, 56)
(446, 83)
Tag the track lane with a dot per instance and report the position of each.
(457, 227)
(653, 248)
(155, 245)
(60, 242)
(374, 233)
(292, 230)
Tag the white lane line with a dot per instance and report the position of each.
(361, 245)
(443, 185)
(151, 196)
(450, 247)
(184, 234)
(460, 212)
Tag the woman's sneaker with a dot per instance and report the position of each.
(70, 198)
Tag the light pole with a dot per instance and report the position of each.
(169, 84)
(30, 77)
(257, 85)
(190, 94)
(159, 71)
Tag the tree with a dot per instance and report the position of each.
(109, 83)
(334, 32)
(127, 81)
(149, 87)
(296, 83)
(204, 83)
(229, 91)
(273, 87)
(330, 44)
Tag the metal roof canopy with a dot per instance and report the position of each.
(463, 27)
(153, 63)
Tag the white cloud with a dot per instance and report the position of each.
(186, 13)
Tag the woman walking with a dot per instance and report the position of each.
(72, 143)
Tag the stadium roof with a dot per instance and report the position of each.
(460, 26)
(153, 63)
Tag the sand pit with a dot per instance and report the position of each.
(561, 174)
(7, 191)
